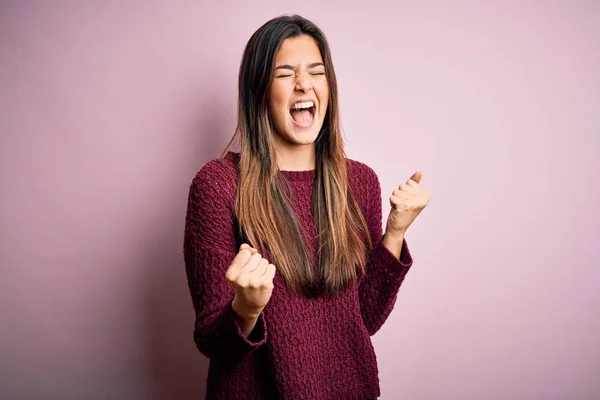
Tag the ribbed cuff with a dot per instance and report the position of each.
(257, 337)
(383, 256)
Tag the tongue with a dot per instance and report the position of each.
(301, 116)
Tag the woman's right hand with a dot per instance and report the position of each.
(251, 276)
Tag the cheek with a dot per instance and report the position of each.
(278, 96)
(278, 109)
(275, 103)
(323, 103)
(323, 94)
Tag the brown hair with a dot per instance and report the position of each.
(263, 208)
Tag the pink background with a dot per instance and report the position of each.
(108, 110)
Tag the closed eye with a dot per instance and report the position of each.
(312, 73)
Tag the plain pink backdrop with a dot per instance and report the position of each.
(107, 110)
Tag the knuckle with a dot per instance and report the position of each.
(246, 254)
(261, 285)
(242, 281)
(263, 282)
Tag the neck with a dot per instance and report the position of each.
(298, 158)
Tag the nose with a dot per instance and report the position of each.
(303, 83)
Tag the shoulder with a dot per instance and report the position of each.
(217, 178)
(361, 174)
(209, 221)
(363, 181)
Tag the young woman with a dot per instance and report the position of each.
(289, 271)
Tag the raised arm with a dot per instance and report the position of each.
(210, 247)
(385, 271)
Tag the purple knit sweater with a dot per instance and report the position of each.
(301, 348)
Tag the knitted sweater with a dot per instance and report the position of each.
(301, 348)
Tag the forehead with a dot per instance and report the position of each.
(298, 50)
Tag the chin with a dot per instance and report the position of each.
(304, 135)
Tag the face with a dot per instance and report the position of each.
(299, 92)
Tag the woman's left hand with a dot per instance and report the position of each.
(407, 202)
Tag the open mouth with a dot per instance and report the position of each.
(303, 113)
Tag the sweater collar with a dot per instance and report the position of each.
(306, 175)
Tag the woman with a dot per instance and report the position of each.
(289, 270)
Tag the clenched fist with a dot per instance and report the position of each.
(251, 276)
(407, 203)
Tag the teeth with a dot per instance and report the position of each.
(303, 104)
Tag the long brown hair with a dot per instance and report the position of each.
(263, 207)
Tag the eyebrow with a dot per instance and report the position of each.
(313, 65)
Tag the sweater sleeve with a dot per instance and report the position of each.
(209, 248)
(384, 273)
